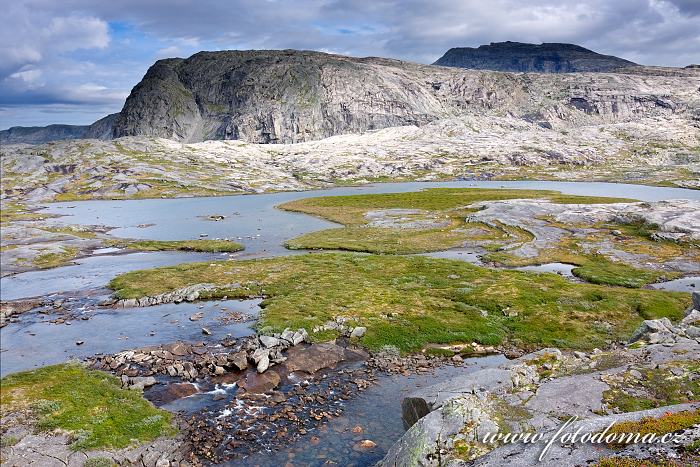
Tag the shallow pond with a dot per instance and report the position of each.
(35, 341)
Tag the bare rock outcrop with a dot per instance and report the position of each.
(540, 58)
(289, 96)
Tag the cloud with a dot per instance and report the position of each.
(51, 52)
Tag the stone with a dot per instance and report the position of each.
(269, 341)
(261, 357)
(168, 393)
(197, 316)
(313, 358)
(239, 360)
(358, 332)
(300, 336)
(141, 382)
(260, 382)
(206, 331)
(288, 336)
(696, 300)
(179, 349)
(365, 445)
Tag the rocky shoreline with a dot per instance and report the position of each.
(538, 391)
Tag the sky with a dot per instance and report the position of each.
(75, 61)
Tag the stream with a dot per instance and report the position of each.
(253, 221)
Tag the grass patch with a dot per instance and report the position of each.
(52, 260)
(591, 267)
(448, 206)
(87, 403)
(616, 461)
(411, 301)
(71, 230)
(13, 212)
(210, 246)
(657, 387)
(667, 423)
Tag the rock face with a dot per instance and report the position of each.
(293, 96)
(447, 422)
(101, 129)
(542, 58)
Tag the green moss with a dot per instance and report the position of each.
(439, 352)
(98, 462)
(212, 246)
(446, 207)
(7, 441)
(13, 212)
(70, 230)
(657, 387)
(631, 462)
(51, 260)
(667, 423)
(87, 403)
(413, 301)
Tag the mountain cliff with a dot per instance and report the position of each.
(295, 96)
(101, 129)
(521, 57)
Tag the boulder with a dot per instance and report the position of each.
(655, 331)
(269, 341)
(696, 300)
(239, 360)
(313, 358)
(300, 336)
(358, 331)
(260, 382)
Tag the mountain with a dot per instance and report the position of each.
(290, 96)
(272, 96)
(101, 129)
(521, 57)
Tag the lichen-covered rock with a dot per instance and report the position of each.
(289, 96)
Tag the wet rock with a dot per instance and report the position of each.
(239, 360)
(696, 301)
(197, 316)
(178, 348)
(313, 358)
(365, 445)
(171, 392)
(206, 331)
(260, 382)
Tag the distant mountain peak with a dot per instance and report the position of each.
(548, 57)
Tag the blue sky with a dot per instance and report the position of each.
(75, 61)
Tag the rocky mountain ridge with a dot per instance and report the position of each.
(296, 96)
(271, 96)
(539, 58)
(101, 129)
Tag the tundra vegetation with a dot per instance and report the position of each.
(438, 219)
(90, 405)
(411, 301)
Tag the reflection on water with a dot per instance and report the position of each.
(562, 269)
(685, 284)
(92, 272)
(36, 342)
